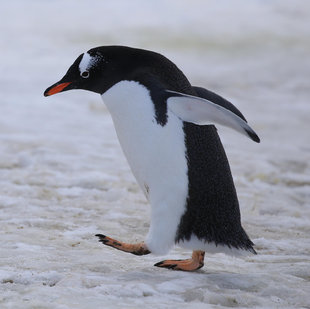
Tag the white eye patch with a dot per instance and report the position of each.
(85, 63)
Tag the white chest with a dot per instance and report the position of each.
(156, 154)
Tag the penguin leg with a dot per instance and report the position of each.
(194, 263)
(136, 249)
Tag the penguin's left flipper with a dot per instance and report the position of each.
(196, 262)
(208, 109)
(136, 249)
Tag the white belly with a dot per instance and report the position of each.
(156, 155)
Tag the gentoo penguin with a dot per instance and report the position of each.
(166, 128)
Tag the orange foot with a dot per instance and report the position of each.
(137, 249)
(194, 263)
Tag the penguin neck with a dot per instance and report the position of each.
(126, 100)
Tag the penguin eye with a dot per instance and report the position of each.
(85, 74)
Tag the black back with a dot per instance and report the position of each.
(212, 210)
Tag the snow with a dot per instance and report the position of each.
(63, 177)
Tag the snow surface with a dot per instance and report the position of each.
(63, 177)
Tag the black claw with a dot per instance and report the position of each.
(100, 236)
(169, 266)
(159, 263)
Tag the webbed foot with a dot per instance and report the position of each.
(137, 249)
(192, 264)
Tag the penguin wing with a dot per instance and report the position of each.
(216, 99)
(209, 109)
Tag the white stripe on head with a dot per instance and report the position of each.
(85, 62)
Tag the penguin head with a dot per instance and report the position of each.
(97, 70)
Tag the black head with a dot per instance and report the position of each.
(102, 67)
(94, 70)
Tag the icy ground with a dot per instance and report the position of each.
(63, 177)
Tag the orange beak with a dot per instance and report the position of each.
(55, 89)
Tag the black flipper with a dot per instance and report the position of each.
(217, 99)
(200, 111)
